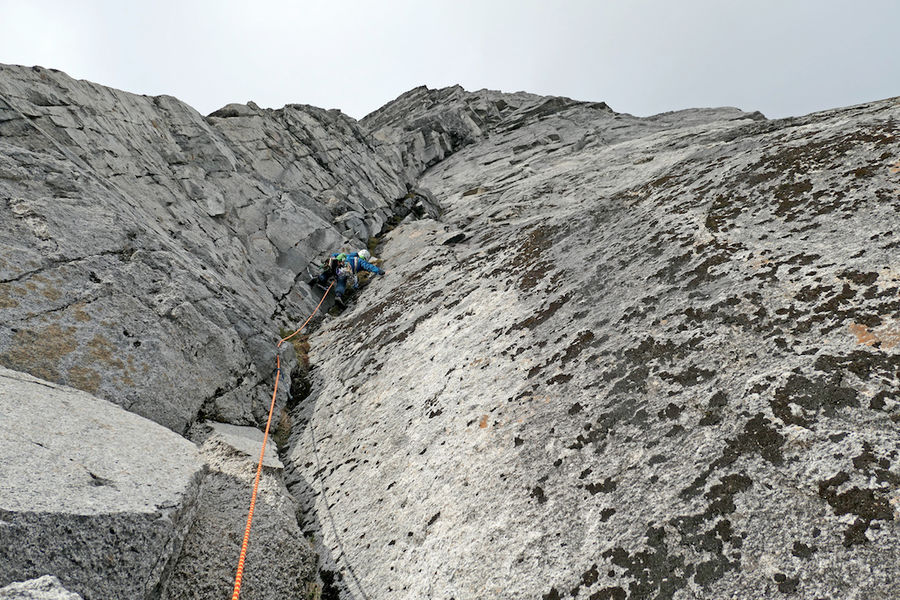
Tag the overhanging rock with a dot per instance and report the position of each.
(89, 492)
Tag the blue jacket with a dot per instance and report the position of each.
(356, 263)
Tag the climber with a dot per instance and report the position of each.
(329, 270)
(353, 264)
(344, 268)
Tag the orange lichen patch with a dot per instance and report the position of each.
(84, 378)
(39, 351)
(886, 337)
(483, 422)
(103, 350)
(895, 168)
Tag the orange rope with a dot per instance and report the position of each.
(240, 568)
(283, 340)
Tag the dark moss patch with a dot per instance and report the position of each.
(650, 349)
(867, 504)
(609, 593)
(721, 212)
(676, 429)
(561, 378)
(657, 459)
(654, 573)
(590, 577)
(811, 294)
(864, 364)
(812, 396)
(717, 540)
(791, 196)
(538, 494)
(866, 458)
(758, 437)
(606, 486)
(786, 585)
(672, 411)
(691, 376)
(721, 495)
(721, 254)
(858, 277)
(541, 316)
(528, 251)
(583, 340)
(713, 413)
(801, 550)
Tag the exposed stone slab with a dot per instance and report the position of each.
(662, 364)
(245, 440)
(280, 562)
(47, 587)
(98, 496)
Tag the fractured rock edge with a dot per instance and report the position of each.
(93, 494)
(280, 562)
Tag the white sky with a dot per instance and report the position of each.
(640, 56)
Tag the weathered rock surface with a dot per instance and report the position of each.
(635, 357)
(639, 358)
(47, 587)
(148, 255)
(93, 494)
(280, 562)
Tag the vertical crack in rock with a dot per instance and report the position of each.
(637, 373)
(612, 356)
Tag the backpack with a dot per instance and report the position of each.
(332, 264)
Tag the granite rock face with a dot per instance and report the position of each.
(47, 587)
(638, 358)
(93, 494)
(148, 255)
(280, 562)
(612, 357)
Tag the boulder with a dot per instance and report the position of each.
(47, 587)
(96, 495)
(280, 562)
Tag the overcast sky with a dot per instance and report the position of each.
(640, 56)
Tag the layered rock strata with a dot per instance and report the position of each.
(639, 358)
